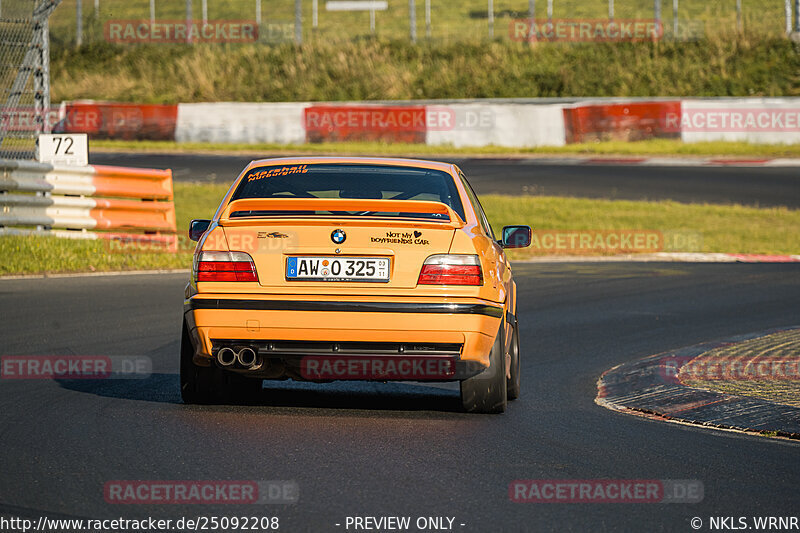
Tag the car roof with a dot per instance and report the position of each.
(386, 161)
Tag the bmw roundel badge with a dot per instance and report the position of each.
(338, 236)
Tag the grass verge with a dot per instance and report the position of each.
(720, 228)
(684, 227)
(730, 65)
(655, 147)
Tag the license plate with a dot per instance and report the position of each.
(337, 269)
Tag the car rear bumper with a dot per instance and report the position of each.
(468, 323)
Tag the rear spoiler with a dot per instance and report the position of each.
(243, 209)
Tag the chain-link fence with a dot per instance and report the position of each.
(18, 93)
(437, 20)
(24, 75)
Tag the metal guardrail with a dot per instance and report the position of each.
(39, 197)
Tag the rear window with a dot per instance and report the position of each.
(350, 181)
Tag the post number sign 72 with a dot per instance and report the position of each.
(64, 148)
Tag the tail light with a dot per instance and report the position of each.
(224, 266)
(451, 269)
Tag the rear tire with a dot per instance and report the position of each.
(239, 388)
(196, 381)
(513, 382)
(487, 392)
(211, 384)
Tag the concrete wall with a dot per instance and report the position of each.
(521, 123)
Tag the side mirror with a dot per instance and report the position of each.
(516, 237)
(197, 228)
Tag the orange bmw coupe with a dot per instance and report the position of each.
(346, 268)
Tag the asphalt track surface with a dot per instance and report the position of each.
(394, 449)
(761, 186)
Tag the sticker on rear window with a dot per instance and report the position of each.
(278, 171)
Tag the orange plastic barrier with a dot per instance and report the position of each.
(145, 183)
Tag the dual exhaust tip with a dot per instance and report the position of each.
(245, 356)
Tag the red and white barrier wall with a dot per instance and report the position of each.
(111, 120)
(508, 123)
(627, 121)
